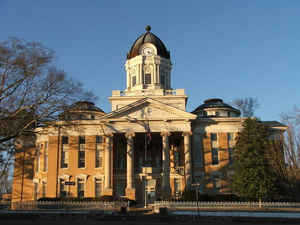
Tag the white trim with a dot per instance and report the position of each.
(98, 176)
(82, 176)
(64, 176)
(36, 180)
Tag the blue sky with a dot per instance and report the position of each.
(224, 49)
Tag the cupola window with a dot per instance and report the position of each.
(133, 80)
(147, 78)
(162, 80)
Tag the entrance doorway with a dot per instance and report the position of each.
(147, 151)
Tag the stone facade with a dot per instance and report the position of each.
(148, 145)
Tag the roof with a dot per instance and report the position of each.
(148, 37)
(215, 103)
(84, 106)
(274, 124)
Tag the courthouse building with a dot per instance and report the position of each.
(148, 145)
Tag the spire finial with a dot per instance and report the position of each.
(148, 28)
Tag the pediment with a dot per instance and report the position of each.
(149, 109)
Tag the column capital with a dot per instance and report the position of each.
(165, 133)
(187, 133)
(129, 135)
(109, 135)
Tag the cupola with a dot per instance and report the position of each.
(150, 38)
(82, 110)
(148, 65)
(215, 107)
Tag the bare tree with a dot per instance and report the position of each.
(246, 105)
(285, 155)
(32, 90)
(292, 142)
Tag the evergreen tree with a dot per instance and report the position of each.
(253, 178)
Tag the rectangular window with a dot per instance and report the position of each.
(81, 159)
(147, 78)
(98, 152)
(64, 156)
(213, 137)
(81, 140)
(133, 80)
(81, 152)
(214, 156)
(177, 185)
(44, 189)
(35, 191)
(99, 139)
(98, 187)
(65, 140)
(99, 157)
(198, 150)
(214, 140)
(62, 188)
(46, 157)
(217, 182)
(80, 188)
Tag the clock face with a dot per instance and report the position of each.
(148, 51)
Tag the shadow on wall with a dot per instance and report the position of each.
(24, 168)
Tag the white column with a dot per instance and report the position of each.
(158, 74)
(140, 74)
(128, 79)
(107, 162)
(187, 158)
(130, 160)
(154, 74)
(165, 164)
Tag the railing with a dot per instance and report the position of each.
(4, 205)
(145, 91)
(193, 205)
(67, 205)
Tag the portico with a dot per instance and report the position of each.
(146, 158)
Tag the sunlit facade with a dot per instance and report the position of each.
(148, 145)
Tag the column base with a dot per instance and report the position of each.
(108, 192)
(130, 193)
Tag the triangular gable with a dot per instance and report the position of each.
(149, 109)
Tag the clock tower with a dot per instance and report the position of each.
(148, 74)
(148, 65)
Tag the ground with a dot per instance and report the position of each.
(78, 219)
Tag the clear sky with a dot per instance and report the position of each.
(219, 48)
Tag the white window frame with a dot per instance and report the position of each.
(99, 153)
(64, 157)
